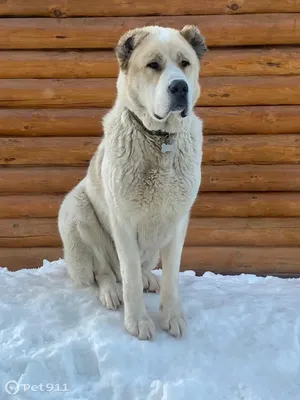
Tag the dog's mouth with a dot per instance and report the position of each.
(183, 112)
(158, 117)
(180, 105)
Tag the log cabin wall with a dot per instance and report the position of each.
(57, 79)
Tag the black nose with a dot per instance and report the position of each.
(178, 87)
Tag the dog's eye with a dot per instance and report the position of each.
(184, 63)
(154, 65)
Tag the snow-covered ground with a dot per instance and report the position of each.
(243, 341)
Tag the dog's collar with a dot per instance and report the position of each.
(159, 133)
(167, 144)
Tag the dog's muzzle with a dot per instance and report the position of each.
(178, 90)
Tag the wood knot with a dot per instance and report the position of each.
(218, 95)
(15, 225)
(9, 159)
(233, 6)
(217, 139)
(57, 13)
(273, 64)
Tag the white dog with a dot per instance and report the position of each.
(133, 205)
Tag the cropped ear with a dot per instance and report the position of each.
(127, 44)
(193, 36)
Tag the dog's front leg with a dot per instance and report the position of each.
(172, 318)
(137, 321)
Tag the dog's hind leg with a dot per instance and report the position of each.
(110, 292)
(88, 250)
(79, 260)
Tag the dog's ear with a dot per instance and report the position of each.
(127, 44)
(193, 36)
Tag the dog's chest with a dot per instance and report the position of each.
(166, 186)
(167, 189)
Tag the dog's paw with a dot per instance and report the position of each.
(150, 282)
(143, 328)
(110, 295)
(173, 322)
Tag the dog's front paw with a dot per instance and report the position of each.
(150, 282)
(110, 295)
(173, 322)
(143, 328)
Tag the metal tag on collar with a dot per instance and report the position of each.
(167, 146)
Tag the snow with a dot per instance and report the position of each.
(243, 341)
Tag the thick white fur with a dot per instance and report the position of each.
(133, 205)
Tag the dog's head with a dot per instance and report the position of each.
(159, 70)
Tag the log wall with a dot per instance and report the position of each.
(57, 80)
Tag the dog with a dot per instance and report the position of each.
(132, 208)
